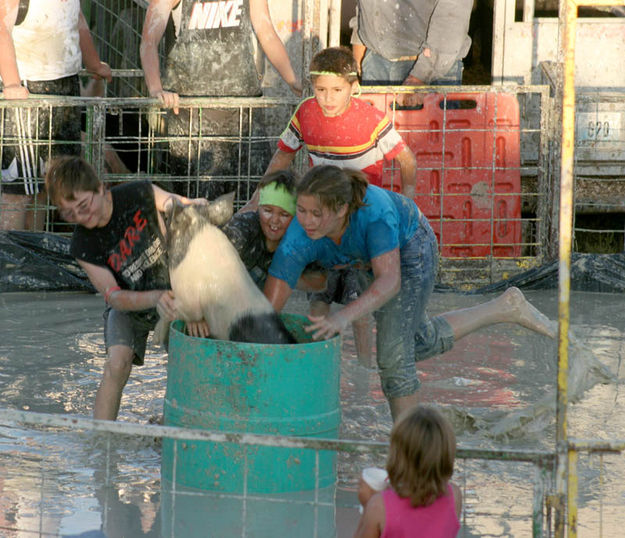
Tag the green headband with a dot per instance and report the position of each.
(332, 73)
(278, 195)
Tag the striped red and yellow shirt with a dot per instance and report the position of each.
(361, 138)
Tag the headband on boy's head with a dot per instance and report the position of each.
(278, 195)
(332, 73)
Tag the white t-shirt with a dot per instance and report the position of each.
(47, 43)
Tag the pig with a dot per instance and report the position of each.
(210, 281)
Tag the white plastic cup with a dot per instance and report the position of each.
(372, 481)
(376, 478)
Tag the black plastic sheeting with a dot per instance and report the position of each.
(589, 272)
(38, 261)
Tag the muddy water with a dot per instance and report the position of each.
(497, 385)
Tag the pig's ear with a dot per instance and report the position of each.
(204, 210)
(171, 204)
(221, 209)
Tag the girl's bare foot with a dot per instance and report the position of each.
(515, 308)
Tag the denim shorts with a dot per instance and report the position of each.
(405, 333)
(128, 329)
(377, 70)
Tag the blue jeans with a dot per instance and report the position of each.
(377, 70)
(405, 332)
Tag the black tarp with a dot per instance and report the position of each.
(589, 272)
(39, 261)
(35, 261)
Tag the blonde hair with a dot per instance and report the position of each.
(421, 457)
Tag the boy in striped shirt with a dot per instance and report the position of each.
(340, 129)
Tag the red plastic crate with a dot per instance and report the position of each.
(468, 169)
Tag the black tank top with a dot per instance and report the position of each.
(213, 53)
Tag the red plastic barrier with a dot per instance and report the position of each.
(468, 176)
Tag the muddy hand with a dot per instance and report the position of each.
(166, 306)
(199, 329)
(411, 99)
(296, 88)
(15, 91)
(324, 327)
(101, 72)
(168, 99)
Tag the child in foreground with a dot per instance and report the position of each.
(421, 502)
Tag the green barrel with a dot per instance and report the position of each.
(288, 390)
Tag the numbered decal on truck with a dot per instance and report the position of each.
(599, 126)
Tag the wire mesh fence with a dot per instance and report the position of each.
(213, 146)
(481, 180)
(116, 29)
(70, 475)
(595, 470)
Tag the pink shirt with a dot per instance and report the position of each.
(437, 520)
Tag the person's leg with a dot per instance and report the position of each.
(16, 189)
(453, 77)
(362, 333)
(399, 71)
(364, 341)
(510, 307)
(406, 334)
(181, 153)
(396, 351)
(351, 284)
(319, 308)
(375, 69)
(320, 301)
(400, 404)
(225, 162)
(404, 329)
(125, 337)
(116, 373)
